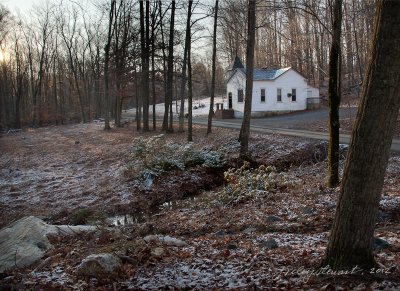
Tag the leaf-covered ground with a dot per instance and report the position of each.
(264, 225)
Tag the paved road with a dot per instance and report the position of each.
(296, 119)
(261, 125)
(284, 124)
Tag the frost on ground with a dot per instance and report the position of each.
(49, 170)
(264, 225)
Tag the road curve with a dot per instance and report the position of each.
(344, 138)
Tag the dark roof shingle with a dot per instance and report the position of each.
(266, 74)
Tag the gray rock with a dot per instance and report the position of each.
(99, 265)
(380, 244)
(250, 230)
(269, 244)
(307, 210)
(165, 240)
(25, 241)
(220, 233)
(273, 218)
(331, 206)
(383, 216)
(158, 252)
(231, 247)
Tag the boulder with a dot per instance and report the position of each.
(25, 241)
(165, 240)
(99, 265)
(269, 244)
(158, 252)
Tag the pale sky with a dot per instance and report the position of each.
(24, 6)
(18, 5)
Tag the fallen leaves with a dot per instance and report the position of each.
(226, 246)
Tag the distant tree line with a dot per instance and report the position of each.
(52, 64)
(297, 33)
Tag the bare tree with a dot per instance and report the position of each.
(184, 66)
(123, 36)
(18, 88)
(334, 96)
(106, 66)
(351, 239)
(4, 15)
(153, 55)
(69, 32)
(214, 56)
(145, 63)
(190, 88)
(245, 129)
(4, 118)
(145, 46)
(168, 118)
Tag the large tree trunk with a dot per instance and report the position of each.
(214, 56)
(334, 96)
(245, 129)
(351, 239)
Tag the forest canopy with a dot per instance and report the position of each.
(52, 56)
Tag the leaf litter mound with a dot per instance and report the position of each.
(241, 232)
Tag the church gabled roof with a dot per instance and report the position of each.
(268, 74)
(264, 74)
(237, 64)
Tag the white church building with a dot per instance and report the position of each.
(274, 91)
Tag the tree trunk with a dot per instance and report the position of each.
(145, 66)
(214, 56)
(170, 72)
(143, 56)
(355, 36)
(106, 65)
(351, 240)
(164, 125)
(184, 65)
(334, 96)
(183, 84)
(190, 88)
(245, 129)
(153, 72)
(138, 103)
